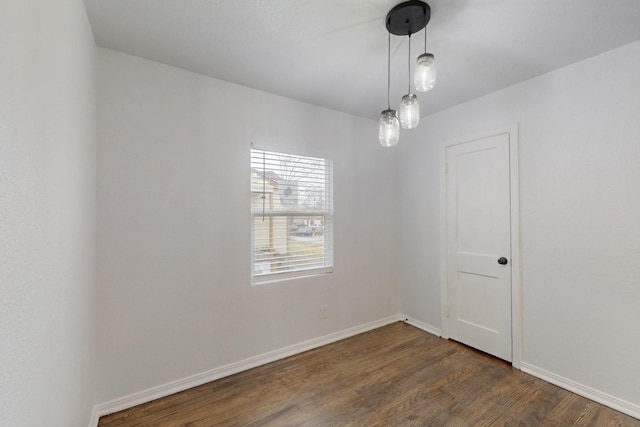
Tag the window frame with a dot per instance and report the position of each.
(326, 214)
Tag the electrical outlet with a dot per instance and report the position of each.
(323, 311)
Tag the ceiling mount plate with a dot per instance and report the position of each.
(408, 18)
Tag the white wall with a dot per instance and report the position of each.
(173, 224)
(47, 214)
(580, 216)
(173, 259)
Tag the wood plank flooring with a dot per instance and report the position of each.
(396, 375)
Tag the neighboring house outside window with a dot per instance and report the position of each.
(292, 216)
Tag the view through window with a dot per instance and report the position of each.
(292, 207)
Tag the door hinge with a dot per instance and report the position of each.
(447, 311)
(446, 168)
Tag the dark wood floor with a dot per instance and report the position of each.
(392, 376)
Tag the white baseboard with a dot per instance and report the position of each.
(421, 325)
(583, 390)
(167, 389)
(95, 418)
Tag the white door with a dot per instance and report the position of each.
(479, 244)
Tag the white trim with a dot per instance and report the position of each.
(516, 277)
(516, 282)
(172, 387)
(167, 389)
(424, 326)
(95, 417)
(296, 150)
(310, 266)
(583, 390)
(263, 279)
(444, 292)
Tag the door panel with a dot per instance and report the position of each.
(478, 234)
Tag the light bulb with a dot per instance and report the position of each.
(425, 75)
(389, 131)
(409, 111)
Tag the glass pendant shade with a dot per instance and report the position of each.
(425, 75)
(409, 111)
(389, 131)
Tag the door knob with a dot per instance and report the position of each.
(503, 261)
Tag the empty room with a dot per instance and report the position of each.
(270, 213)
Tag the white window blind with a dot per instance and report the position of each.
(292, 215)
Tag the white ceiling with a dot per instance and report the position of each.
(333, 53)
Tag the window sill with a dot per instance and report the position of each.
(290, 275)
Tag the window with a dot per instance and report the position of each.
(292, 216)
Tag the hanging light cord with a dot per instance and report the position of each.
(388, 71)
(409, 65)
(425, 36)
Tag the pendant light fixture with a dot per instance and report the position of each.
(389, 131)
(409, 106)
(404, 19)
(425, 76)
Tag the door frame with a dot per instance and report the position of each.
(516, 282)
